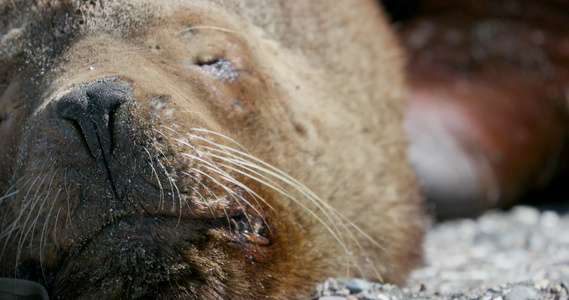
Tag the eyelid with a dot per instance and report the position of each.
(204, 60)
(220, 69)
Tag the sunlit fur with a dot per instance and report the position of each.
(256, 149)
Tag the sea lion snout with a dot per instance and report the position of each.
(91, 108)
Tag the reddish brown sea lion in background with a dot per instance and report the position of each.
(487, 110)
(202, 149)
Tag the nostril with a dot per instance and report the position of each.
(78, 132)
(92, 110)
(112, 122)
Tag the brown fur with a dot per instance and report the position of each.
(142, 200)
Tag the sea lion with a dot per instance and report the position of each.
(487, 113)
(202, 149)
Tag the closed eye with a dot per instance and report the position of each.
(219, 68)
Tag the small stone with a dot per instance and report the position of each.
(382, 297)
(367, 297)
(526, 215)
(556, 289)
(541, 284)
(332, 298)
(549, 219)
(521, 293)
(326, 285)
(418, 288)
(357, 285)
(339, 282)
(342, 292)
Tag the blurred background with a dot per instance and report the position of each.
(487, 110)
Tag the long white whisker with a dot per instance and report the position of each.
(173, 186)
(197, 181)
(9, 228)
(276, 173)
(211, 163)
(24, 207)
(293, 182)
(44, 231)
(219, 135)
(243, 163)
(229, 191)
(32, 204)
(203, 199)
(9, 195)
(68, 194)
(17, 219)
(157, 178)
(212, 167)
(31, 225)
(282, 191)
(9, 191)
(325, 208)
(227, 177)
(207, 27)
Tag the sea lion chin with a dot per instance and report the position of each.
(202, 150)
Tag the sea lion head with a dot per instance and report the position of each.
(194, 149)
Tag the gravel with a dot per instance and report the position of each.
(518, 254)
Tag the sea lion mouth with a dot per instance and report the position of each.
(234, 225)
(147, 229)
(137, 253)
(193, 223)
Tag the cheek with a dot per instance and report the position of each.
(12, 119)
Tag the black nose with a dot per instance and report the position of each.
(91, 108)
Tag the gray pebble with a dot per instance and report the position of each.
(526, 215)
(521, 293)
(549, 219)
(357, 285)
